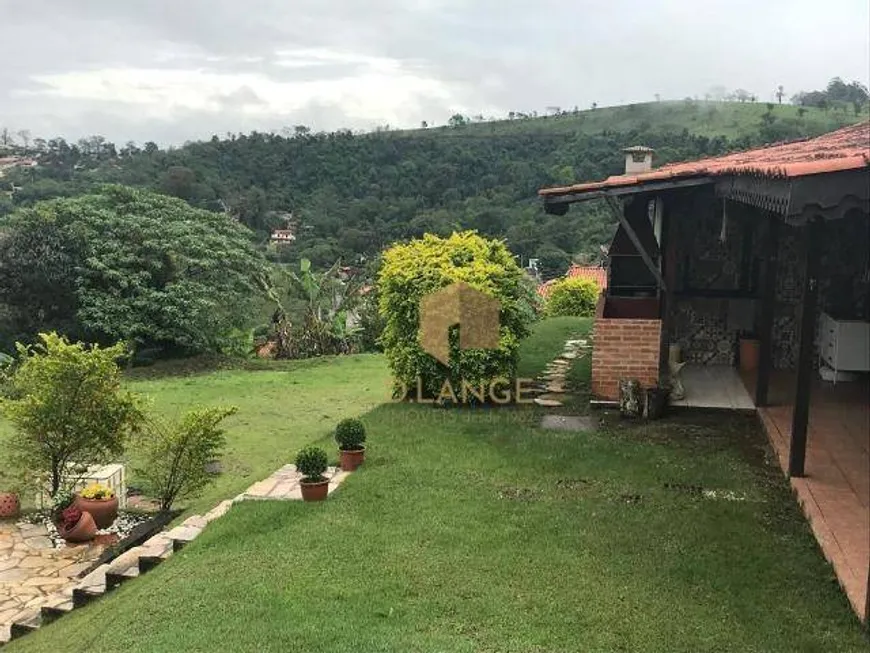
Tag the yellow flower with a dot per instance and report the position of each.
(97, 491)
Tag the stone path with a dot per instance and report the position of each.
(39, 583)
(553, 378)
(31, 569)
(283, 485)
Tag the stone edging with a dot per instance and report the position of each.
(282, 485)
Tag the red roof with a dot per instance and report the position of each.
(844, 149)
(596, 274)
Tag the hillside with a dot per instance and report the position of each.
(352, 194)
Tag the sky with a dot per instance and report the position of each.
(175, 70)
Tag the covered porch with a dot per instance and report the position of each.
(765, 252)
(834, 492)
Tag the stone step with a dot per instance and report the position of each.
(124, 567)
(90, 587)
(25, 622)
(56, 606)
(5, 635)
(155, 551)
(182, 535)
(218, 511)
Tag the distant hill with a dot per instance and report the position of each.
(350, 194)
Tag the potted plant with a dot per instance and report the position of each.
(311, 463)
(100, 501)
(10, 504)
(748, 353)
(350, 434)
(73, 524)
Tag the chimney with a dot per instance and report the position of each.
(638, 159)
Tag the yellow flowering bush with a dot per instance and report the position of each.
(97, 492)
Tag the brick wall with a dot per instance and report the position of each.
(624, 349)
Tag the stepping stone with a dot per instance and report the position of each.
(567, 423)
(39, 542)
(547, 403)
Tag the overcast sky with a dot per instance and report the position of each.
(176, 70)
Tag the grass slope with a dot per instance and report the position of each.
(473, 530)
(730, 119)
(282, 406)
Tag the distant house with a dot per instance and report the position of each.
(282, 236)
(594, 273)
(9, 162)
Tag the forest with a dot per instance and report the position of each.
(346, 196)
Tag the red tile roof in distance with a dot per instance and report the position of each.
(845, 149)
(596, 274)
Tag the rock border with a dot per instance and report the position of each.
(282, 485)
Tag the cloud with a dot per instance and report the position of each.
(171, 71)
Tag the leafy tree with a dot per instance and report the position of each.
(177, 455)
(68, 408)
(145, 268)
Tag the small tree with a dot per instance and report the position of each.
(572, 297)
(68, 407)
(177, 455)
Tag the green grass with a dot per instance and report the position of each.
(547, 341)
(473, 530)
(282, 406)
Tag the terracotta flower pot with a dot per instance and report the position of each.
(83, 531)
(10, 505)
(749, 354)
(104, 511)
(350, 460)
(314, 491)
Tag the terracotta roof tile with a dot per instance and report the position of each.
(844, 149)
(596, 274)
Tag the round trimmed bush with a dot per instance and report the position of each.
(350, 434)
(422, 266)
(311, 462)
(572, 297)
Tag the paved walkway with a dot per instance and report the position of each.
(31, 569)
(38, 583)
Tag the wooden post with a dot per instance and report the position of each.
(669, 272)
(798, 451)
(768, 306)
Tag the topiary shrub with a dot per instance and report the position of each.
(350, 434)
(412, 270)
(572, 297)
(311, 462)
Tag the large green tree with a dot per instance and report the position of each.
(132, 265)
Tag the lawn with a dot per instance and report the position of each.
(474, 530)
(282, 406)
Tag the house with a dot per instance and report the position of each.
(9, 162)
(754, 269)
(282, 236)
(595, 273)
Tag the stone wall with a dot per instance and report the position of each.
(624, 349)
(707, 329)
